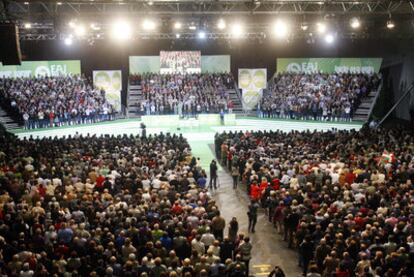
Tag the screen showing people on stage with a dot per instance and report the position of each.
(180, 62)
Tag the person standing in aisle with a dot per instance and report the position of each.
(235, 174)
(252, 214)
(213, 175)
(245, 250)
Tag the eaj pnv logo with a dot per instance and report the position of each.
(302, 67)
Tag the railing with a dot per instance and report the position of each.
(379, 89)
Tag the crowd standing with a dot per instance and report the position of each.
(111, 206)
(343, 199)
(316, 96)
(184, 94)
(54, 101)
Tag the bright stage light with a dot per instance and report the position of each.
(355, 23)
(192, 27)
(95, 27)
(201, 35)
(72, 24)
(148, 25)
(80, 30)
(237, 30)
(68, 41)
(121, 30)
(221, 25)
(304, 26)
(329, 38)
(177, 25)
(321, 27)
(177, 35)
(27, 25)
(280, 29)
(390, 24)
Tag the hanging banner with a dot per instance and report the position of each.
(41, 68)
(215, 64)
(329, 65)
(111, 82)
(252, 82)
(144, 64)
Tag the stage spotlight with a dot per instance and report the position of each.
(177, 25)
(304, 26)
(80, 31)
(280, 29)
(72, 24)
(95, 27)
(390, 24)
(68, 41)
(27, 25)
(177, 35)
(148, 25)
(201, 35)
(121, 30)
(237, 30)
(321, 27)
(192, 27)
(221, 25)
(355, 23)
(329, 38)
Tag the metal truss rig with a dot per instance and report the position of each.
(87, 8)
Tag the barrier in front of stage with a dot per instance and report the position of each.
(176, 121)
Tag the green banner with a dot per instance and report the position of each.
(41, 68)
(329, 65)
(215, 64)
(252, 82)
(144, 64)
(111, 82)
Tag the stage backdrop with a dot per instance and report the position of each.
(252, 82)
(329, 65)
(111, 82)
(215, 64)
(209, 63)
(41, 68)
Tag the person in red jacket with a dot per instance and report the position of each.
(255, 191)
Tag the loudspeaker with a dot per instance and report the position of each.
(10, 45)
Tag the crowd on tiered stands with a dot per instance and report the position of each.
(343, 199)
(54, 101)
(184, 94)
(316, 96)
(111, 206)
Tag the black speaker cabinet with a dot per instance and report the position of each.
(10, 45)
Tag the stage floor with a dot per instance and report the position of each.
(200, 137)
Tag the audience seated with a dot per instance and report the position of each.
(109, 206)
(188, 94)
(343, 199)
(316, 96)
(54, 101)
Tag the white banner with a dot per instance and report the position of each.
(111, 82)
(252, 82)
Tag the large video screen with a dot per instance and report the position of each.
(180, 62)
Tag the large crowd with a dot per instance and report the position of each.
(343, 199)
(54, 101)
(316, 96)
(184, 94)
(111, 206)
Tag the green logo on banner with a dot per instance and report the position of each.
(259, 79)
(245, 78)
(116, 80)
(329, 65)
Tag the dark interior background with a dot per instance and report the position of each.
(109, 55)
